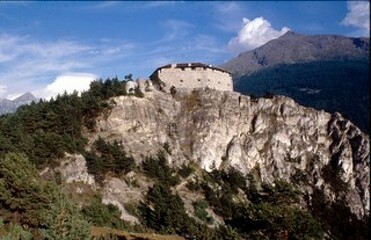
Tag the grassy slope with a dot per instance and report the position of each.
(104, 231)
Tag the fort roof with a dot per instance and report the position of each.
(191, 65)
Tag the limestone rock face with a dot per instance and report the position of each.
(275, 136)
(73, 169)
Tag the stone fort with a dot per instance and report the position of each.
(192, 75)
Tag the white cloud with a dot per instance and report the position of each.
(103, 5)
(67, 83)
(14, 96)
(175, 29)
(359, 16)
(3, 90)
(154, 4)
(27, 64)
(253, 34)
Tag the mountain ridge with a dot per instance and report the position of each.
(297, 48)
(328, 72)
(10, 106)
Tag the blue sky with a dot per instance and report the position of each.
(49, 47)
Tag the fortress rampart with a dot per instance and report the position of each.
(192, 75)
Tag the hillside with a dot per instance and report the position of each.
(293, 48)
(209, 164)
(337, 85)
(326, 72)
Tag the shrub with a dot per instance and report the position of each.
(109, 158)
(157, 168)
(185, 170)
(163, 211)
(200, 206)
(103, 215)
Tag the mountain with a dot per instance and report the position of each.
(9, 106)
(268, 138)
(323, 71)
(206, 163)
(293, 48)
(24, 99)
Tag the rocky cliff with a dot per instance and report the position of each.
(269, 137)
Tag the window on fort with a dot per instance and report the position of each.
(181, 80)
(199, 80)
(208, 80)
(218, 82)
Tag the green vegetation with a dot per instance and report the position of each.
(106, 157)
(162, 210)
(158, 169)
(337, 218)
(29, 204)
(270, 213)
(186, 170)
(338, 85)
(102, 215)
(44, 131)
(200, 206)
(38, 135)
(13, 231)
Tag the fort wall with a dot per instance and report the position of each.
(191, 76)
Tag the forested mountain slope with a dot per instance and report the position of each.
(181, 163)
(326, 72)
(337, 85)
(293, 48)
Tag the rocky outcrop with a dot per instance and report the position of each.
(272, 137)
(73, 169)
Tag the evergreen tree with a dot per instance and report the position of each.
(27, 200)
(64, 222)
(24, 198)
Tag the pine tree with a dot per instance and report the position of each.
(24, 198)
(64, 222)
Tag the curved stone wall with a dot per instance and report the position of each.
(195, 77)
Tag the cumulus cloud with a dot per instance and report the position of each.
(28, 64)
(67, 83)
(359, 16)
(253, 34)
